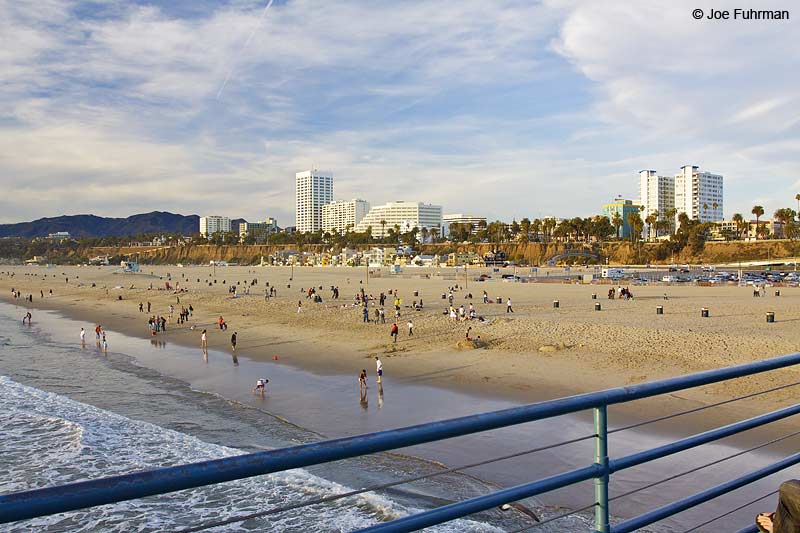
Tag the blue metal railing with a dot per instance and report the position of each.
(40, 502)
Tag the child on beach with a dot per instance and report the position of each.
(261, 386)
(362, 381)
(204, 340)
(378, 369)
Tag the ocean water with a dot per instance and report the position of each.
(69, 413)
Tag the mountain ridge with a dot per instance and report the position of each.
(88, 225)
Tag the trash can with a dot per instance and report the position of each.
(416, 293)
(704, 312)
(555, 304)
(597, 306)
(777, 293)
(659, 309)
(594, 296)
(770, 317)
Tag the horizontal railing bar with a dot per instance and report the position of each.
(701, 497)
(483, 503)
(69, 497)
(687, 443)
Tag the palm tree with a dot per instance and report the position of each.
(424, 232)
(757, 211)
(671, 214)
(383, 229)
(738, 219)
(617, 222)
(632, 220)
(434, 232)
(651, 220)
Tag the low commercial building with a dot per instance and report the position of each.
(728, 230)
(461, 218)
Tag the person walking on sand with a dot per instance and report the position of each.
(410, 328)
(204, 340)
(394, 333)
(509, 309)
(362, 381)
(233, 341)
(148, 308)
(379, 370)
(299, 306)
(83, 337)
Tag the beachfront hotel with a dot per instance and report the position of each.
(338, 217)
(461, 218)
(624, 208)
(405, 215)
(313, 189)
(656, 194)
(698, 194)
(212, 224)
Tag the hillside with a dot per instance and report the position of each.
(618, 253)
(94, 226)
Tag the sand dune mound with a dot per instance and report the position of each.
(471, 344)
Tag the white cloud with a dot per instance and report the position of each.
(509, 108)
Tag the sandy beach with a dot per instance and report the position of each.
(534, 353)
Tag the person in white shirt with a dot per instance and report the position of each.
(379, 368)
(508, 306)
(83, 337)
(410, 328)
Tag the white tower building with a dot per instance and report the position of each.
(698, 194)
(656, 194)
(337, 216)
(313, 189)
(212, 224)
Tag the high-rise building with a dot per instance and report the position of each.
(404, 215)
(212, 224)
(338, 216)
(461, 218)
(656, 194)
(623, 208)
(698, 194)
(313, 189)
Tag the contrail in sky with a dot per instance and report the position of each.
(246, 43)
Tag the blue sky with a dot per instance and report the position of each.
(505, 109)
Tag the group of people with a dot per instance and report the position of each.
(621, 293)
(156, 325)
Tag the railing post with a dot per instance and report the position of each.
(601, 524)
